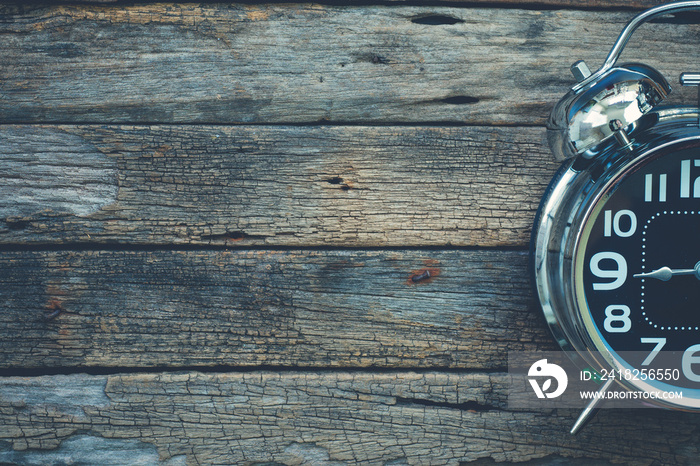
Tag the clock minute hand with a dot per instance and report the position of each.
(665, 273)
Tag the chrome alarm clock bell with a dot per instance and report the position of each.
(615, 250)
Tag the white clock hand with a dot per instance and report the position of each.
(665, 273)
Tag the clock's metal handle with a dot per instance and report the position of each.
(626, 33)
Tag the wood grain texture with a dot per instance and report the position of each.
(620, 4)
(325, 419)
(325, 146)
(214, 63)
(61, 173)
(311, 309)
(273, 186)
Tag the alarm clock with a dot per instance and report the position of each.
(616, 242)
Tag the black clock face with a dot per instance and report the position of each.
(640, 268)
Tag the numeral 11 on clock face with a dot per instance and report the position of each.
(649, 182)
(649, 187)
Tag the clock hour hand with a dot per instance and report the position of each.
(666, 273)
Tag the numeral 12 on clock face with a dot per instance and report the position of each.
(649, 182)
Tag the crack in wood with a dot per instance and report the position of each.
(344, 186)
(436, 20)
(473, 406)
(460, 100)
(233, 236)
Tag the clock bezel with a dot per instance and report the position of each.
(691, 397)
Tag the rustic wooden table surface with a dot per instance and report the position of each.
(211, 214)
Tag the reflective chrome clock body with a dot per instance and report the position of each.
(574, 200)
(615, 213)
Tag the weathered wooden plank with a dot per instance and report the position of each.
(289, 186)
(214, 63)
(309, 418)
(252, 308)
(535, 3)
(549, 3)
